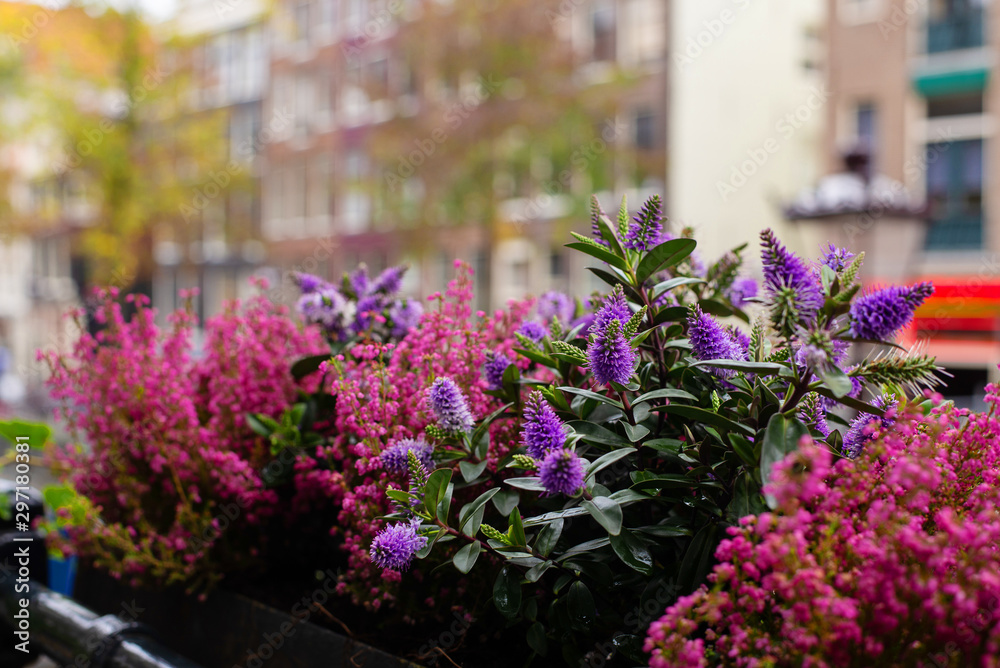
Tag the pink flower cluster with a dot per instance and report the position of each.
(890, 559)
(165, 455)
(380, 394)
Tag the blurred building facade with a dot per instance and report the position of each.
(915, 84)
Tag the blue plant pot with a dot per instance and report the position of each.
(62, 575)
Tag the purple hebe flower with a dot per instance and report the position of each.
(495, 365)
(327, 307)
(611, 357)
(646, 229)
(595, 230)
(742, 289)
(555, 305)
(880, 314)
(396, 545)
(793, 287)
(367, 307)
(404, 315)
(390, 281)
(543, 430)
(711, 341)
(308, 282)
(836, 258)
(360, 282)
(561, 472)
(449, 406)
(614, 308)
(394, 458)
(864, 426)
(532, 330)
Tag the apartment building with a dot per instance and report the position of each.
(354, 175)
(914, 82)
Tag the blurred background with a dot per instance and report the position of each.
(161, 145)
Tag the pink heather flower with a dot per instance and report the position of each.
(394, 458)
(711, 341)
(395, 546)
(561, 472)
(533, 330)
(742, 289)
(794, 292)
(543, 430)
(880, 314)
(646, 230)
(496, 363)
(450, 407)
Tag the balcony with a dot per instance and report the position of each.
(956, 30)
(956, 233)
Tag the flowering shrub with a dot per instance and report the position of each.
(889, 559)
(165, 453)
(643, 431)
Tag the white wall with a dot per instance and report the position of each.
(737, 73)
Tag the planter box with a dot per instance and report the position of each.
(229, 630)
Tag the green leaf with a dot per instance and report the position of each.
(603, 224)
(743, 447)
(698, 559)
(747, 499)
(715, 308)
(435, 490)
(664, 444)
(856, 404)
(759, 368)
(466, 558)
(507, 592)
(601, 253)
(664, 393)
(632, 551)
(608, 459)
(707, 417)
(529, 483)
(667, 254)
(835, 379)
(484, 426)
(593, 395)
(594, 433)
(516, 531)
(580, 605)
(505, 500)
(537, 357)
(586, 546)
(58, 496)
(257, 425)
(473, 507)
(308, 365)
(535, 573)
(670, 314)
(780, 438)
(471, 471)
(636, 432)
(607, 513)
(38, 434)
(647, 480)
(548, 537)
(672, 283)
(536, 637)
(664, 531)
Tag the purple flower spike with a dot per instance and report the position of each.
(555, 305)
(326, 307)
(614, 308)
(742, 289)
(390, 281)
(543, 430)
(836, 258)
(533, 330)
(450, 407)
(711, 341)
(595, 213)
(360, 282)
(880, 314)
(611, 357)
(395, 546)
(793, 288)
(404, 315)
(865, 425)
(495, 365)
(646, 230)
(308, 282)
(561, 472)
(394, 458)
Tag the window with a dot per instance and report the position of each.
(319, 187)
(378, 79)
(866, 128)
(955, 194)
(301, 19)
(955, 105)
(645, 130)
(603, 31)
(852, 12)
(356, 202)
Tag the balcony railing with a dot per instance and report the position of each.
(956, 233)
(961, 29)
